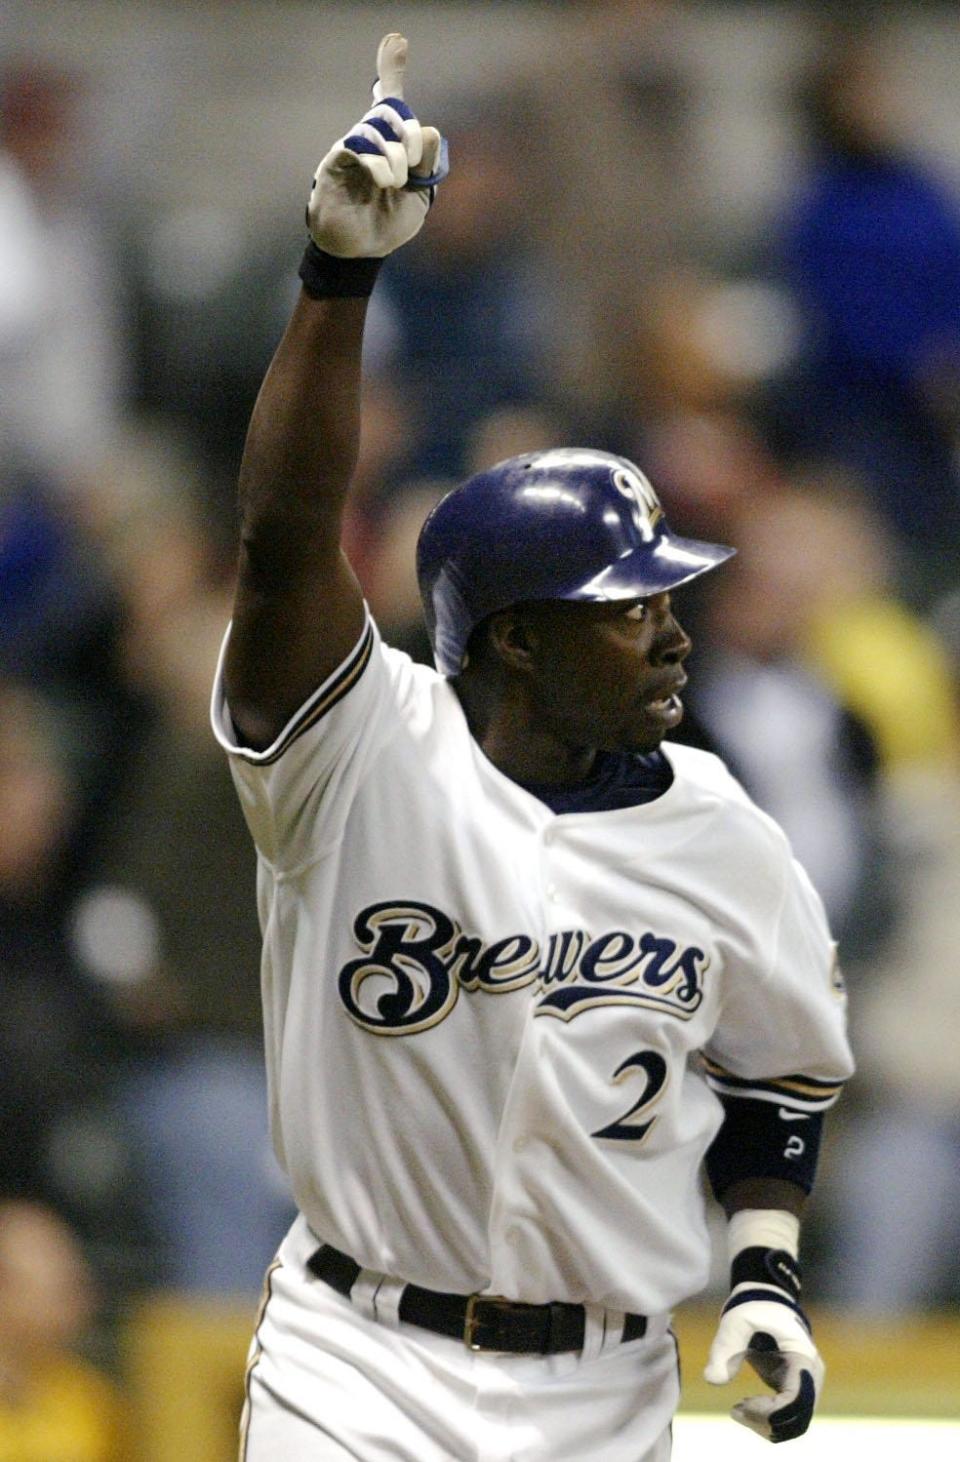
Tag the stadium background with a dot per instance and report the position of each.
(721, 238)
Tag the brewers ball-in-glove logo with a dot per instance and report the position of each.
(416, 960)
(647, 511)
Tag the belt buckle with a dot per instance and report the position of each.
(472, 1321)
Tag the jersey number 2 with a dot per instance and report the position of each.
(654, 1068)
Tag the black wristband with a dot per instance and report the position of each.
(766, 1266)
(325, 276)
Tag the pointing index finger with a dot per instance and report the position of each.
(391, 66)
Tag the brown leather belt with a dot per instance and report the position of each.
(482, 1322)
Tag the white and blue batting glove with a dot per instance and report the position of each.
(373, 189)
(762, 1322)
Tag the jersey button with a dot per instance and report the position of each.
(519, 1143)
(512, 1236)
(552, 893)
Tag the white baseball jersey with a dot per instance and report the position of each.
(486, 1023)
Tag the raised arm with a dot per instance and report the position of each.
(298, 607)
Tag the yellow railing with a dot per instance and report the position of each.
(185, 1363)
(907, 1367)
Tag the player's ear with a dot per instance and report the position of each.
(512, 638)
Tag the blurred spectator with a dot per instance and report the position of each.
(795, 745)
(128, 955)
(461, 320)
(56, 1035)
(167, 923)
(62, 356)
(54, 1406)
(208, 299)
(59, 632)
(823, 561)
(887, 663)
(600, 134)
(673, 365)
(895, 1195)
(697, 354)
(872, 254)
(902, 1131)
(711, 468)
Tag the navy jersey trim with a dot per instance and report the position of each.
(320, 703)
(800, 1092)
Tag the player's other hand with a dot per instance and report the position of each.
(372, 191)
(764, 1325)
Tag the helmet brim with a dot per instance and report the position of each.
(653, 569)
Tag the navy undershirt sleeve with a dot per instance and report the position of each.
(763, 1140)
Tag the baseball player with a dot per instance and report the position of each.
(528, 967)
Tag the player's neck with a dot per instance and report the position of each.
(519, 743)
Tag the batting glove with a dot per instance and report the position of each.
(372, 191)
(762, 1323)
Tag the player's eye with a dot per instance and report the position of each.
(636, 611)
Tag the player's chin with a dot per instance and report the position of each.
(656, 721)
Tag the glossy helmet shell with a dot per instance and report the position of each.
(569, 523)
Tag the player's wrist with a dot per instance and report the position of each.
(326, 276)
(763, 1246)
(763, 1228)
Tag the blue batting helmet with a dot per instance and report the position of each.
(563, 524)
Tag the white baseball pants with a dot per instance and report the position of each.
(331, 1379)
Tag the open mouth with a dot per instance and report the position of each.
(667, 708)
(664, 706)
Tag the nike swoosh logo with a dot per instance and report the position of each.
(789, 1116)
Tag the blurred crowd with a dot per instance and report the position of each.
(800, 401)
